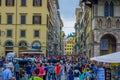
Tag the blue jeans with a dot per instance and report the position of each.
(28, 76)
(51, 76)
(17, 75)
(58, 76)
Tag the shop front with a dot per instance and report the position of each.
(31, 53)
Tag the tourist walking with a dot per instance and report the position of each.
(17, 66)
(58, 71)
(7, 73)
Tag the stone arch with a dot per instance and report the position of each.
(9, 45)
(112, 33)
(36, 45)
(22, 43)
(108, 44)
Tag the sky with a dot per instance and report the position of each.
(67, 11)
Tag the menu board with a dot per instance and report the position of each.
(107, 74)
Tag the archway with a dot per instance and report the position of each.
(107, 44)
(22, 46)
(36, 45)
(8, 47)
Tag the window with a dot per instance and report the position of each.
(0, 2)
(106, 9)
(9, 33)
(9, 2)
(118, 23)
(111, 9)
(37, 2)
(22, 33)
(9, 19)
(23, 2)
(23, 44)
(36, 19)
(36, 45)
(23, 19)
(36, 33)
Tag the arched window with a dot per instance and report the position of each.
(109, 23)
(8, 43)
(106, 9)
(111, 9)
(23, 44)
(118, 23)
(36, 45)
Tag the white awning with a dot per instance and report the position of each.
(109, 58)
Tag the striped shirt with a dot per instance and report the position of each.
(100, 74)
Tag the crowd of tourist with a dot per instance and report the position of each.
(53, 68)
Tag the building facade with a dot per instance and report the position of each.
(24, 25)
(69, 43)
(55, 25)
(62, 42)
(105, 26)
(106, 29)
(83, 29)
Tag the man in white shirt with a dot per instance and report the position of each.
(7, 73)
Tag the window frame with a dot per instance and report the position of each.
(35, 3)
(23, 20)
(111, 9)
(21, 34)
(11, 20)
(36, 35)
(37, 17)
(9, 34)
(0, 2)
(106, 9)
(23, 3)
(8, 3)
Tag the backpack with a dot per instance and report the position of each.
(76, 73)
